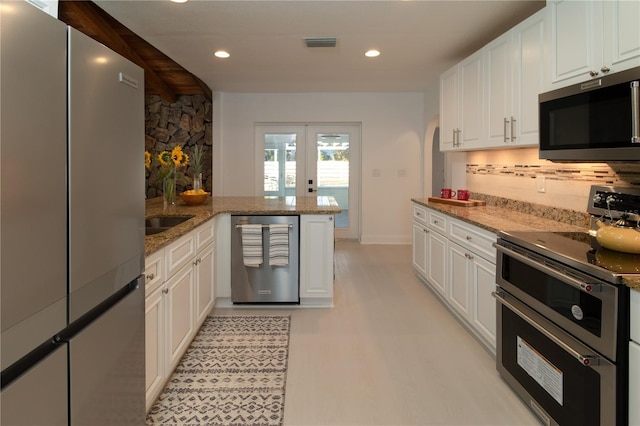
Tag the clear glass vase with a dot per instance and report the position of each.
(197, 182)
(169, 192)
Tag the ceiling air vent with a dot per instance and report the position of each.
(320, 41)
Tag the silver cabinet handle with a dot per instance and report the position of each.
(468, 237)
(513, 130)
(605, 69)
(506, 137)
(635, 112)
(435, 222)
(586, 360)
(330, 218)
(150, 277)
(165, 291)
(426, 231)
(468, 256)
(593, 73)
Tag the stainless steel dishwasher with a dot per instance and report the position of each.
(265, 283)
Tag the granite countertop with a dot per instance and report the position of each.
(496, 218)
(230, 205)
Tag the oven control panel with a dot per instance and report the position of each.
(613, 202)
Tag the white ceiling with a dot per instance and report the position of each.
(418, 40)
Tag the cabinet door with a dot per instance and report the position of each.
(420, 248)
(621, 34)
(448, 108)
(498, 63)
(205, 296)
(483, 283)
(180, 314)
(154, 345)
(459, 280)
(530, 77)
(437, 261)
(471, 108)
(576, 41)
(316, 258)
(634, 383)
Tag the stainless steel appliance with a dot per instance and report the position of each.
(563, 317)
(265, 283)
(598, 120)
(72, 226)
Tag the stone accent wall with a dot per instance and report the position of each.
(187, 123)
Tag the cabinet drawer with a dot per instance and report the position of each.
(179, 253)
(153, 271)
(204, 234)
(475, 239)
(437, 222)
(635, 316)
(419, 214)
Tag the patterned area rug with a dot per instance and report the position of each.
(233, 374)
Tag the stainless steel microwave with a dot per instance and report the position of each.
(594, 121)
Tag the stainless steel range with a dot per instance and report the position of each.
(563, 316)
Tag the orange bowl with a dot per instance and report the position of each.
(194, 199)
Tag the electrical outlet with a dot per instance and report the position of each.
(542, 184)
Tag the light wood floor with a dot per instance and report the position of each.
(389, 353)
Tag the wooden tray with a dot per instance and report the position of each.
(456, 202)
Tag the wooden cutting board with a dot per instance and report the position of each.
(456, 202)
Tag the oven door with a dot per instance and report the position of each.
(582, 305)
(563, 381)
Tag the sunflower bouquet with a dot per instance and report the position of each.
(172, 164)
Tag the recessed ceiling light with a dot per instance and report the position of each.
(179, 1)
(222, 54)
(372, 53)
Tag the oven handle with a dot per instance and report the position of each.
(586, 360)
(573, 282)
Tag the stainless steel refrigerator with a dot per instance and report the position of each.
(71, 226)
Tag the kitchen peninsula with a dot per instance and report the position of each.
(211, 223)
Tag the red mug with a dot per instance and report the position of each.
(447, 193)
(463, 194)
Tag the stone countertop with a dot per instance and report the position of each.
(230, 205)
(495, 219)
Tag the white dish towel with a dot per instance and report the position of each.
(278, 245)
(252, 245)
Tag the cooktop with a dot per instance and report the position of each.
(579, 250)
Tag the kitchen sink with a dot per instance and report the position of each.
(155, 225)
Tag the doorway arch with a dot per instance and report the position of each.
(433, 160)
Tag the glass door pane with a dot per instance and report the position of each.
(280, 164)
(333, 171)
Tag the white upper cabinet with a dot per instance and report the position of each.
(514, 76)
(461, 101)
(590, 39)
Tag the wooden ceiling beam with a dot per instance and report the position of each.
(90, 19)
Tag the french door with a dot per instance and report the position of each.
(312, 160)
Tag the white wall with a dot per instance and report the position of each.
(392, 139)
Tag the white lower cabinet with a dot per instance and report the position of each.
(154, 345)
(205, 272)
(459, 280)
(180, 294)
(460, 267)
(419, 252)
(180, 314)
(437, 261)
(316, 259)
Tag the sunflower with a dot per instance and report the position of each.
(147, 160)
(178, 157)
(165, 159)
